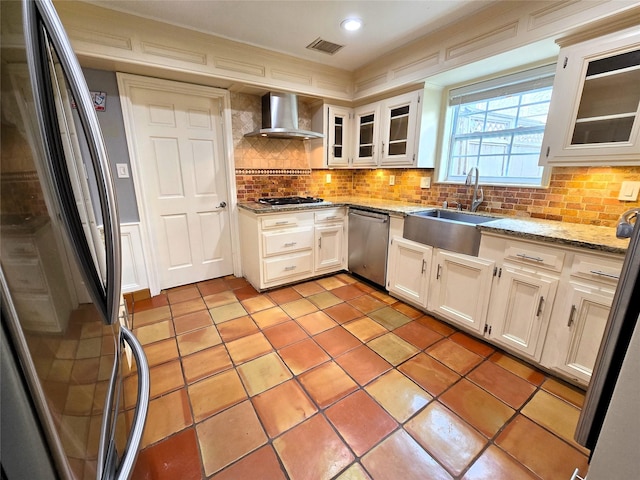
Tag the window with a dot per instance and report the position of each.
(497, 125)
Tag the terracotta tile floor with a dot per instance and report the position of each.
(335, 379)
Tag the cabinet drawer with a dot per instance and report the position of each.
(25, 276)
(333, 215)
(289, 240)
(596, 269)
(290, 266)
(37, 313)
(535, 255)
(284, 221)
(18, 247)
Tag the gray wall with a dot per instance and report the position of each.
(616, 453)
(116, 142)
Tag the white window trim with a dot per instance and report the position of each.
(445, 139)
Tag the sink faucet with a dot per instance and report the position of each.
(478, 194)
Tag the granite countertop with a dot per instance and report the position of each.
(571, 234)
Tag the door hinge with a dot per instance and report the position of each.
(414, 158)
(566, 60)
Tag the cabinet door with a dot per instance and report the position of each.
(521, 307)
(399, 130)
(339, 138)
(594, 116)
(579, 340)
(460, 288)
(329, 247)
(366, 132)
(408, 270)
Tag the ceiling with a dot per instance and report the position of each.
(289, 26)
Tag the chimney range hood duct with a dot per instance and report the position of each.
(280, 118)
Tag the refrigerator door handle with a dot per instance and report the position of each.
(75, 80)
(125, 469)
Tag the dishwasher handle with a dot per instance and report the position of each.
(380, 217)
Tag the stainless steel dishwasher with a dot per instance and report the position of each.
(368, 240)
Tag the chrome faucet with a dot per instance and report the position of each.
(478, 194)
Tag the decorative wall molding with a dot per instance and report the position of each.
(99, 38)
(497, 35)
(158, 50)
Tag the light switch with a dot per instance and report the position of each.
(392, 179)
(123, 170)
(425, 182)
(629, 191)
(327, 178)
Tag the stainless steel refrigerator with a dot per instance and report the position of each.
(614, 349)
(65, 340)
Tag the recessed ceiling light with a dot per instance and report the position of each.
(351, 24)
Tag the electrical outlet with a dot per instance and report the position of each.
(123, 170)
(392, 179)
(425, 182)
(327, 178)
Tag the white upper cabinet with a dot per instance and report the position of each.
(339, 136)
(594, 116)
(367, 127)
(386, 133)
(400, 130)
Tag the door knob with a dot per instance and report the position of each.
(222, 204)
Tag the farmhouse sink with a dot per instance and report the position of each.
(447, 229)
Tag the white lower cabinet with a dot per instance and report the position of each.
(329, 250)
(520, 310)
(408, 270)
(460, 288)
(578, 331)
(279, 248)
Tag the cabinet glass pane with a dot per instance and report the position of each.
(399, 148)
(398, 128)
(338, 135)
(365, 151)
(366, 134)
(609, 102)
(604, 131)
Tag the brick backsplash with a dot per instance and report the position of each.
(587, 195)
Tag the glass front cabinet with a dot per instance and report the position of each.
(594, 117)
(380, 134)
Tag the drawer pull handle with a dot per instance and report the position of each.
(605, 274)
(282, 222)
(320, 242)
(290, 244)
(288, 269)
(439, 272)
(330, 217)
(540, 304)
(424, 265)
(572, 315)
(529, 257)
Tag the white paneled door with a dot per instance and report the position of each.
(176, 138)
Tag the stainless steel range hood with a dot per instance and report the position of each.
(280, 118)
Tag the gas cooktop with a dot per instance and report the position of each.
(288, 200)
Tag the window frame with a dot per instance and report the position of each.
(502, 84)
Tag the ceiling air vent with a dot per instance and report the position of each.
(323, 46)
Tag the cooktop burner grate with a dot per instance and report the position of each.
(288, 200)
